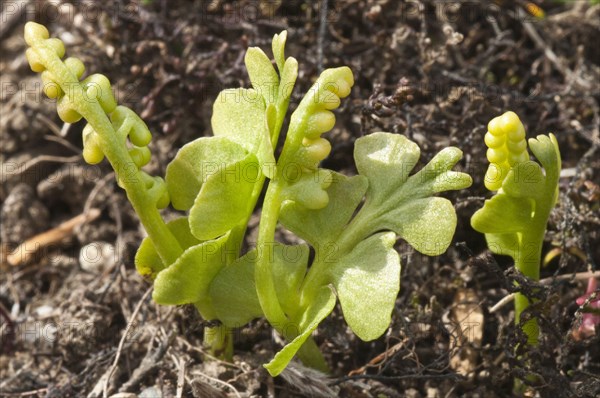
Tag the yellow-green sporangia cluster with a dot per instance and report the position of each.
(314, 116)
(92, 99)
(507, 146)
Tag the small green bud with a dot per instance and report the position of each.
(92, 153)
(34, 61)
(76, 66)
(57, 45)
(34, 32)
(51, 88)
(140, 156)
(319, 123)
(97, 87)
(66, 110)
(138, 132)
(164, 200)
(313, 151)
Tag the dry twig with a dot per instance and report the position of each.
(26, 250)
(149, 363)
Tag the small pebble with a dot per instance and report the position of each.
(96, 257)
(151, 392)
(68, 38)
(44, 311)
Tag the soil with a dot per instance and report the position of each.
(435, 71)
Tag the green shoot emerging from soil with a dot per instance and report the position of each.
(514, 220)
(351, 223)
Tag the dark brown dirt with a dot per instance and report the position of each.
(436, 71)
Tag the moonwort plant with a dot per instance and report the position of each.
(514, 219)
(351, 223)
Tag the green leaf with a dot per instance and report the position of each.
(240, 115)
(194, 163)
(386, 160)
(288, 80)
(147, 260)
(402, 203)
(316, 312)
(223, 199)
(188, 279)
(289, 73)
(233, 290)
(367, 281)
(525, 180)
(545, 149)
(427, 224)
(437, 175)
(272, 121)
(503, 244)
(503, 214)
(278, 46)
(323, 226)
(263, 76)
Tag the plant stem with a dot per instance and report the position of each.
(309, 353)
(219, 340)
(528, 263)
(265, 285)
